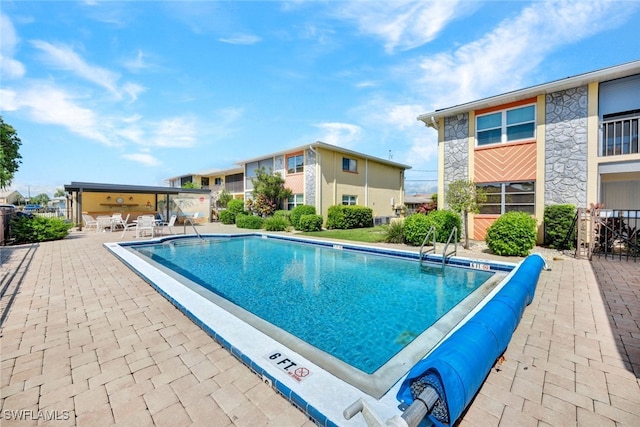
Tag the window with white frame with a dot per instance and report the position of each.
(505, 197)
(218, 181)
(349, 165)
(295, 200)
(506, 126)
(295, 164)
(349, 200)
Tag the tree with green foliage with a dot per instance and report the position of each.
(59, 193)
(465, 197)
(223, 198)
(41, 199)
(268, 192)
(191, 184)
(9, 153)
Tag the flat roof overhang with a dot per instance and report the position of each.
(605, 74)
(121, 188)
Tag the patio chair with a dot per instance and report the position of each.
(145, 224)
(104, 222)
(89, 221)
(118, 221)
(167, 225)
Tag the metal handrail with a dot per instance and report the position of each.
(455, 249)
(192, 225)
(432, 231)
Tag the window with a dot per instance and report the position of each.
(295, 200)
(506, 126)
(350, 165)
(295, 164)
(508, 196)
(218, 181)
(204, 182)
(349, 200)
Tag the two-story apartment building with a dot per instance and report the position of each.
(318, 174)
(573, 141)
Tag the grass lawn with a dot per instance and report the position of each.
(369, 235)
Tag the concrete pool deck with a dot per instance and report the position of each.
(88, 342)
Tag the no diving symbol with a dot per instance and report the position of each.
(301, 372)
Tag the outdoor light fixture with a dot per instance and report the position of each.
(108, 197)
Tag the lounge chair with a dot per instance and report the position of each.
(89, 221)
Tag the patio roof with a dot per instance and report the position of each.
(121, 188)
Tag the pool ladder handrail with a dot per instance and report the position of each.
(192, 225)
(454, 234)
(431, 232)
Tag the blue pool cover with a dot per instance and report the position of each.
(457, 368)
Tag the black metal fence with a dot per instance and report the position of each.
(609, 233)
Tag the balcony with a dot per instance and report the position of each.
(619, 136)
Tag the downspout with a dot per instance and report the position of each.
(318, 183)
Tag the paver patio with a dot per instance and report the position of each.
(88, 342)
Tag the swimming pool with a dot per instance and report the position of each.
(392, 314)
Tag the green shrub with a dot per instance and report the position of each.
(227, 217)
(513, 234)
(345, 217)
(249, 221)
(395, 232)
(415, 227)
(34, 229)
(276, 223)
(298, 211)
(310, 222)
(444, 221)
(236, 206)
(557, 222)
(284, 214)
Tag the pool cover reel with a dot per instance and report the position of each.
(457, 368)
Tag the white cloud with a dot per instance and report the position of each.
(9, 67)
(50, 105)
(65, 58)
(246, 39)
(174, 132)
(340, 134)
(502, 59)
(145, 159)
(403, 25)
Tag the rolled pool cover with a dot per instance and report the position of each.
(457, 368)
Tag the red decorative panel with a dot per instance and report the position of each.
(295, 183)
(480, 226)
(515, 162)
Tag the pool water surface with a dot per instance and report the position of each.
(355, 314)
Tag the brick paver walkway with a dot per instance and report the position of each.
(88, 342)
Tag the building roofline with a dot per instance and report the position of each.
(207, 172)
(610, 73)
(320, 144)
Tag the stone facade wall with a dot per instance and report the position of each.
(310, 178)
(456, 148)
(565, 179)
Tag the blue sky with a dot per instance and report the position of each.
(135, 92)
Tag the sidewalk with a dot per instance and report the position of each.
(90, 343)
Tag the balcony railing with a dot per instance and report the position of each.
(619, 136)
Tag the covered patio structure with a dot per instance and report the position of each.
(106, 199)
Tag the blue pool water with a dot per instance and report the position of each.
(360, 307)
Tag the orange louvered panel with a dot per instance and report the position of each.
(295, 183)
(505, 163)
(480, 225)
